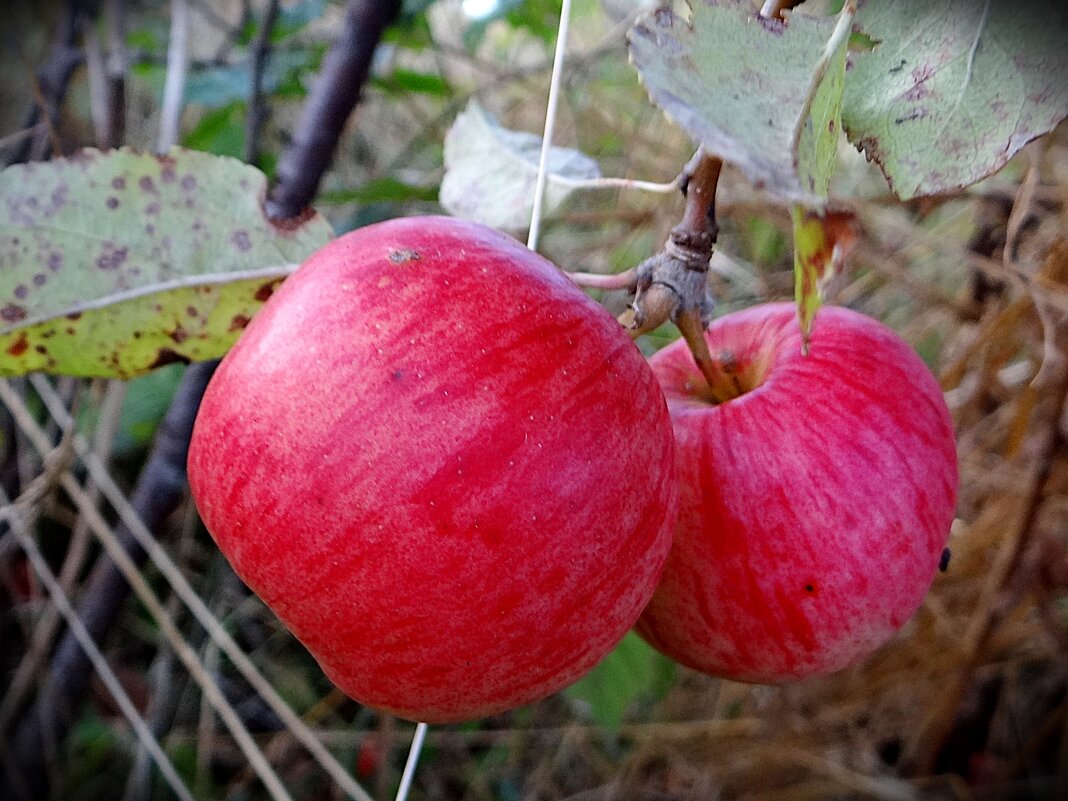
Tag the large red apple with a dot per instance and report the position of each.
(448, 471)
(817, 494)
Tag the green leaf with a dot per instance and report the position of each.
(381, 190)
(145, 403)
(631, 672)
(953, 88)
(220, 131)
(821, 242)
(490, 172)
(114, 263)
(759, 93)
(401, 81)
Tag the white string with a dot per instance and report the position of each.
(85, 640)
(177, 66)
(185, 592)
(419, 737)
(413, 759)
(550, 124)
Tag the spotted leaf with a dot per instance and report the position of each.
(114, 263)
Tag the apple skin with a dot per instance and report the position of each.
(447, 471)
(813, 509)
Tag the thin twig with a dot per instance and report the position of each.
(259, 56)
(131, 572)
(171, 572)
(96, 658)
(329, 106)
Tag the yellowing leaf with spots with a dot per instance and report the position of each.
(114, 263)
(822, 240)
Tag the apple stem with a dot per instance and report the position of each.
(693, 331)
(673, 284)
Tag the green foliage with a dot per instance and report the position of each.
(220, 131)
(120, 262)
(146, 401)
(381, 190)
(402, 81)
(632, 672)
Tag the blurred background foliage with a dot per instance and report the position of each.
(969, 702)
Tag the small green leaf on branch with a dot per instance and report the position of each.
(953, 88)
(114, 263)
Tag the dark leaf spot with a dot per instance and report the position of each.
(12, 313)
(168, 356)
(192, 311)
(189, 182)
(118, 183)
(19, 346)
(55, 261)
(179, 335)
(112, 257)
(40, 349)
(152, 208)
(21, 291)
(238, 322)
(74, 316)
(265, 291)
(39, 279)
(112, 202)
(147, 184)
(241, 240)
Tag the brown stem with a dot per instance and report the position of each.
(700, 180)
(693, 331)
(673, 284)
(772, 9)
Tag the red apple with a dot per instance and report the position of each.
(448, 471)
(817, 494)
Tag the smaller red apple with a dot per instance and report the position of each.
(817, 494)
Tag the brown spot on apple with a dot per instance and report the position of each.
(403, 256)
